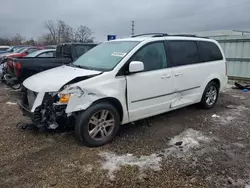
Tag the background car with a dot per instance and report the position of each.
(24, 52)
(43, 53)
(12, 49)
(4, 48)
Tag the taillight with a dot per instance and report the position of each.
(18, 67)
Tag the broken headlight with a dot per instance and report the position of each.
(68, 91)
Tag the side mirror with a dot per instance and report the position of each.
(136, 66)
(26, 52)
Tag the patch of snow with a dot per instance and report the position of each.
(11, 103)
(239, 145)
(232, 112)
(215, 116)
(229, 86)
(230, 118)
(238, 96)
(178, 146)
(190, 139)
(113, 162)
(247, 186)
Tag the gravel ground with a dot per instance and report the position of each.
(184, 148)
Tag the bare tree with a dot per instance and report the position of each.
(17, 39)
(31, 42)
(5, 41)
(53, 34)
(83, 34)
(58, 32)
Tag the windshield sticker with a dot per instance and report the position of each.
(119, 54)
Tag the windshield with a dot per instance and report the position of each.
(36, 53)
(105, 56)
(22, 50)
(10, 49)
(18, 48)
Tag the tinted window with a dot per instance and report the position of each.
(63, 50)
(183, 52)
(209, 51)
(152, 55)
(82, 50)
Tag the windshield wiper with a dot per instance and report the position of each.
(80, 66)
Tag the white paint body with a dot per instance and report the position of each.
(171, 85)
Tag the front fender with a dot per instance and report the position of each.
(90, 95)
(78, 103)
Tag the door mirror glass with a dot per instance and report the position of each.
(136, 66)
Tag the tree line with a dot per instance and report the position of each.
(56, 32)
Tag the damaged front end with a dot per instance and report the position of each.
(46, 110)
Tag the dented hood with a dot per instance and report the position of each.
(53, 79)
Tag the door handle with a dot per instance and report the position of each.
(166, 76)
(178, 74)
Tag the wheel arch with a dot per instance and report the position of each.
(115, 102)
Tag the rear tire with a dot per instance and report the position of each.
(97, 125)
(210, 96)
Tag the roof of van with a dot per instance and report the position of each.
(152, 38)
(139, 39)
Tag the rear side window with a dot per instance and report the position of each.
(183, 52)
(63, 50)
(209, 51)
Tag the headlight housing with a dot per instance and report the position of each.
(68, 91)
(64, 98)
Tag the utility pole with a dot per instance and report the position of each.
(133, 28)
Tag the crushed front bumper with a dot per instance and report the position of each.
(44, 112)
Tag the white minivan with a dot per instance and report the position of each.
(125, 80)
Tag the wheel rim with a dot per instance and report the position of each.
(211, 95)
(101, 125)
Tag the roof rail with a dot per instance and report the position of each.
(165, 34)
(187, 35)
(153, 34)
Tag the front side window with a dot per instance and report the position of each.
(183, 52)
(152, 55)
(105, 56)
(209, 51)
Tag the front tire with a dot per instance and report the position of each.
(97, 125)
(210, 96)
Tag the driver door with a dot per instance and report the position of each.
(150, 92)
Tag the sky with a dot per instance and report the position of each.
(105, 17)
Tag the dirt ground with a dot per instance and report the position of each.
(184, 148)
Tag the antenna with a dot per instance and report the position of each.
(133, 28)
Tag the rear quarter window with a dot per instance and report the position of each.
(183, 52)
(209, 51)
